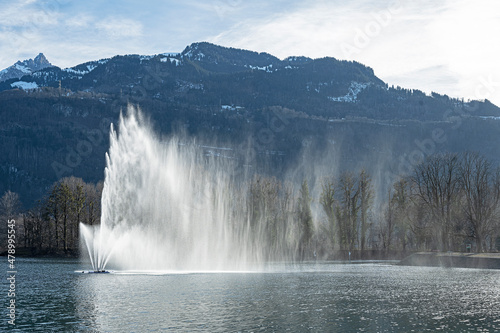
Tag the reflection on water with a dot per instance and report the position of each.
(308, 297)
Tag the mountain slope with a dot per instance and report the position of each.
(56, 124)
(214, 75)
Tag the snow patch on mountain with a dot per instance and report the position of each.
(25, 67)
(231, 107)
(170, 54)
(172, 60)
(198, 56)
(22, 68)
(24, 85)
(77, 72)
(84, 69)
(489, 117)
(193, 53)
(298, 60)
(184, 86)
(351, 97)
(268, 68)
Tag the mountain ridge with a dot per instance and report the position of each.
(25, 67)
(322, 75)
(55, 122)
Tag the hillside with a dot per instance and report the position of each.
(58, 124)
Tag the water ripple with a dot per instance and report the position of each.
(347, 298)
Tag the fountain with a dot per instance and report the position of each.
(167, 206)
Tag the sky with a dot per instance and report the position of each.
(444, 46)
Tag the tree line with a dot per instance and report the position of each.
(52, 226)
(449, 202)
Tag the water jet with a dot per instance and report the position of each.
(166, 205)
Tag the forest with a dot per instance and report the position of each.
(449, 202)
(51, 226)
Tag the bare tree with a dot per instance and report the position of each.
(366, 194)
(270, 216)
(263, 209)
(9, 205)
(92, 207)
(304, 217)
(436, 184)
(481, 197)
(9, 208)
(328, 203)
(347, 211)
(286, 218)
(387, 224)
(401, 206)
(35, 230)
(70, 202)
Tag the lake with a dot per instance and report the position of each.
(316, 297)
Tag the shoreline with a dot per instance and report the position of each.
(453, 259)
(424, 259)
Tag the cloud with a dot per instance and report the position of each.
(316, 30)
(440, 46)
(451, 41)
(303, 31)
(450, 50)
(120, 27)
(23, 28)
(439, 75)
(79, 21)
(28, 14)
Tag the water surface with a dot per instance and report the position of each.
(318, 297)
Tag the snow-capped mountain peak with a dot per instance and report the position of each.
(25, 67)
